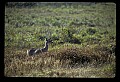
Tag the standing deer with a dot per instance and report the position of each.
(34, 51)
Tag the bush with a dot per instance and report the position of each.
(55, 36)
(91, 31)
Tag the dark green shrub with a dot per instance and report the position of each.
(55, 36)
(75, 41)
(67, 34)
(91, 31)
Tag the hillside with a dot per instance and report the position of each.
(83, 34)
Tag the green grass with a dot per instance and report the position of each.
(84, 41)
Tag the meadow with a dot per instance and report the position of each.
(84, 40)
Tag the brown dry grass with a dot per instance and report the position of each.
(49, 64)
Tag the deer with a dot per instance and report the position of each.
(34, 51)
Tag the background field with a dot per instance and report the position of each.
(83, 34)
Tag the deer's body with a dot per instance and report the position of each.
(34, 51)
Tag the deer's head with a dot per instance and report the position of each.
(49, 41)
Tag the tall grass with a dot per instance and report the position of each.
(65, 57)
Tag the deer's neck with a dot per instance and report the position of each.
(46, 46)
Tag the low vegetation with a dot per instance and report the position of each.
(83, 34)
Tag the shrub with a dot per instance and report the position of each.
(91, 31)
(55, 36)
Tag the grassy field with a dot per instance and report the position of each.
(84, 40)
